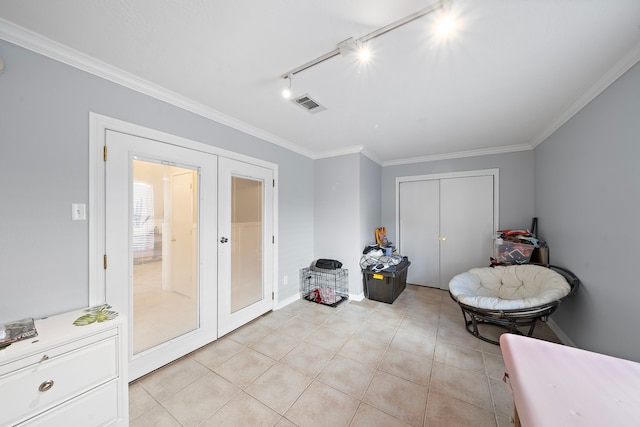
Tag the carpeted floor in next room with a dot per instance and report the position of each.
(410, 363)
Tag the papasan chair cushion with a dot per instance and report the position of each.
(510, 287)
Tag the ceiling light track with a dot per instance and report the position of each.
(358, 42)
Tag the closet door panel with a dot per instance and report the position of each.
(418, 230)
(466, 224)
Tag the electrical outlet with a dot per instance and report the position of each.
(285, 280)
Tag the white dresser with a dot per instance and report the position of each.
(66, 376)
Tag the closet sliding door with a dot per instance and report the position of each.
(446, 224)
(466, 224)
(419, 230)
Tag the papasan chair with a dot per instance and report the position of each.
(511, 296)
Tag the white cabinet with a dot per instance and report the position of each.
(446, 224)
(68, 375)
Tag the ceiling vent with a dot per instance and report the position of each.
(308, 104)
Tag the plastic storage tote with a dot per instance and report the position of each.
(385, 286)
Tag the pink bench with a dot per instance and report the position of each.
(556, 385)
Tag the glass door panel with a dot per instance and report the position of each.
(160, 242)
(245, 248)
(164, 241)
(246, 243)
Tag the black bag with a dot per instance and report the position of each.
(328, 264)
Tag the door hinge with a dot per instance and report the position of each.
(274, 183)
(273, 239)
(104, 153)
(104, 261)
(273, 296)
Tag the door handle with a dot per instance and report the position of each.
(442, 239)
(223, 240)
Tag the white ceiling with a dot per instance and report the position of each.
(515, 71)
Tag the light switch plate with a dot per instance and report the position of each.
(78, 211)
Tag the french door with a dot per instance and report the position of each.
(161, 218)
(245, 243)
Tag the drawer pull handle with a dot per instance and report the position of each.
(45, 386)
(45, 357)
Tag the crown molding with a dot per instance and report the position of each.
(460, 154)
(356, 149)
(621, 67)
(37, 43)
(339, 152)
(371, 157)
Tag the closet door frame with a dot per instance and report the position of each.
(439, 176)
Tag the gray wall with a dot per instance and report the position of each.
(44, 167)
(516, 185)
(587, 196)
(370, 198)
(347, 211)
(337, 207)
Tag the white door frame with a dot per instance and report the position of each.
(98, 125)
(462, 174)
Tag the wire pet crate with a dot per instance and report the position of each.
(327, 287)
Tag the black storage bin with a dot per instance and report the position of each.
(385, 286)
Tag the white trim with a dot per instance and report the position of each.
(98, 125)
(445, 175)
(37, 43)
(605, 81)
(339, 152)
(276, 260)
(460, 154)
(286, 302)
(348, 150)
(97, 241)
(371, 157)
(462, 174)
(356, 297)
(560, 333)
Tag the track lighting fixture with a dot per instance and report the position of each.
(286, 92)
(360, 45)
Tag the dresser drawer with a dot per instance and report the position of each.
(64, 373)
(98, 408)
(34, 353)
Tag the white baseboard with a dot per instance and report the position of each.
(560, 333)
(356, 297)
(286, 302)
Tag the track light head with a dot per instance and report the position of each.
(286, 92)
(364, 53)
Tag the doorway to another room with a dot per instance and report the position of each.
(187, 233)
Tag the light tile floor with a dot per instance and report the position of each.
(410, 363)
